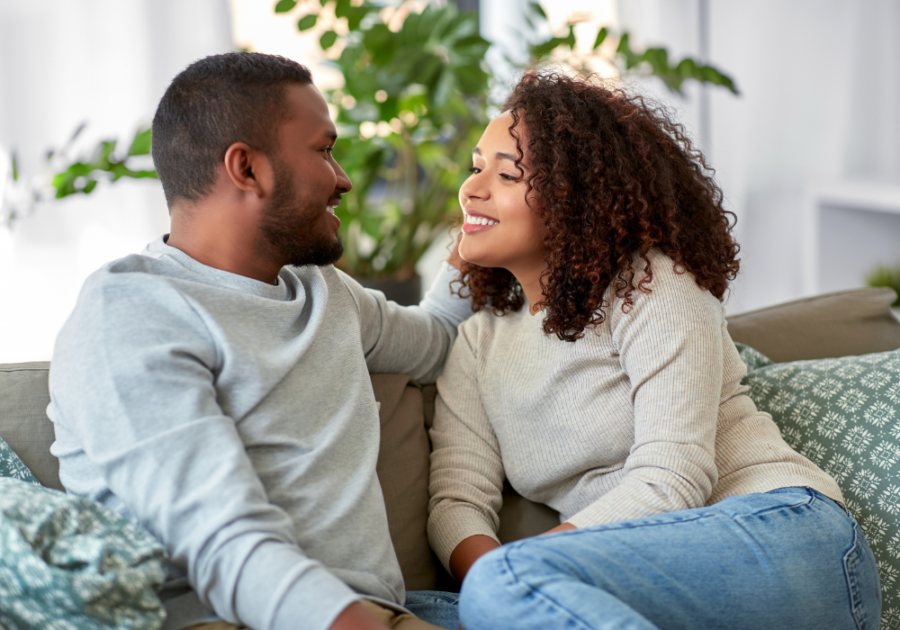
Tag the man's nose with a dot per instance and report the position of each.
(343, 181)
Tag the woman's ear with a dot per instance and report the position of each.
(249, 170)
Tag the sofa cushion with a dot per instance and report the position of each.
(843, 414)
(67, 562)
(853, 322)
(23, 418)
(403, 472)
(12, 467)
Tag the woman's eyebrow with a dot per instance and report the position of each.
(497, 156)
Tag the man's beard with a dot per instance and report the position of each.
(293, 231)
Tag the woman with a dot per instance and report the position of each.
(599, 378)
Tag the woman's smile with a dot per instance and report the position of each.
(475, 222)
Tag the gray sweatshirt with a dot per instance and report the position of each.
(235, 420)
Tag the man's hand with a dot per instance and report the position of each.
(355, 617)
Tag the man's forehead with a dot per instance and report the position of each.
(307, 107)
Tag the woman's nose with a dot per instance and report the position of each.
(473, 187)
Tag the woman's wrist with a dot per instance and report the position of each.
(562, 527)
(467, 552)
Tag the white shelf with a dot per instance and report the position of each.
(848, 228)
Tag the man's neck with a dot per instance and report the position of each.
(222, 238)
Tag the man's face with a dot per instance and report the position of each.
(299, 220)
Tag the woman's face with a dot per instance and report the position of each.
(500, 228)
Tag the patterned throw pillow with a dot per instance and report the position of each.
(13, 467)
(844, 415)
(67, 563)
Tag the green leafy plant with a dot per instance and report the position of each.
(614, 50)
(414, 102)
(886, 276)
(82, 175)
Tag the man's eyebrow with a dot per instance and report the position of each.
(498, 156)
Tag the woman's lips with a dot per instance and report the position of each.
(474, 222)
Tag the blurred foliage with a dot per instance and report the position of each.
(885, 276)
(81, 176)
(414, 102)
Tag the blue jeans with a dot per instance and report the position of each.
(790, 558)
(436, 607)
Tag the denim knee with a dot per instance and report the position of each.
(486, 597)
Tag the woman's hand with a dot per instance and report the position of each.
(562, 527)
(467, 552)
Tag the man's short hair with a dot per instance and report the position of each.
(213, 103)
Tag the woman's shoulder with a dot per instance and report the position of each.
(662, 284)
(484, 327)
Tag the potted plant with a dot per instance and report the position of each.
(414, 102)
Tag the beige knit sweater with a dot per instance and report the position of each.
(645, 414)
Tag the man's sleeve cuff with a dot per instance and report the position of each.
(282, 589)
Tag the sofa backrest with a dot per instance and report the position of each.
(839, 324)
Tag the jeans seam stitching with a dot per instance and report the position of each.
(534, 589)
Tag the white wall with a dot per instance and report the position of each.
(820, 92)
(63, 62)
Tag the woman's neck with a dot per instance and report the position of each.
(530, 281)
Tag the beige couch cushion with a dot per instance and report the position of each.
(403, 472)
(832, 325)
(23, 418)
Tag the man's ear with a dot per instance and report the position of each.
(248, 169)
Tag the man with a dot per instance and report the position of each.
(216, 390)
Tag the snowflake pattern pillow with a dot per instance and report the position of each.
(13, 467)
(844, 415)
(68, 563)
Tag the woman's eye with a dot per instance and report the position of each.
(474, 169)
(509, 178)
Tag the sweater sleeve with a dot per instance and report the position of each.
(466, 480)
(410, 340)
(670, 347)
(133, 378)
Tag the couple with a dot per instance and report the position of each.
(215, 389)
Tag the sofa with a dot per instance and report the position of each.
(847, 323)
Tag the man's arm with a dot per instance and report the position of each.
(133, 383)
(412, 340)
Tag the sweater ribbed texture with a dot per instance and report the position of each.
(645, 414)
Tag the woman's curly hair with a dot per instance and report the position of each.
(613, 177)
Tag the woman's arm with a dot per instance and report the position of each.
(467, 552)
(466, 480)
(670, 345)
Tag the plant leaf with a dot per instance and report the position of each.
(537, 9)
(141, 143)
(283, 6)
(601, 37)
(307, 22)
(327, 40)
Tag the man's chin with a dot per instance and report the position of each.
(320, 254)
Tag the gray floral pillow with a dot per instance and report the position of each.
(844, 415)
(67, 563)
(13, 467)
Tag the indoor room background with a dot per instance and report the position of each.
(807, 153)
